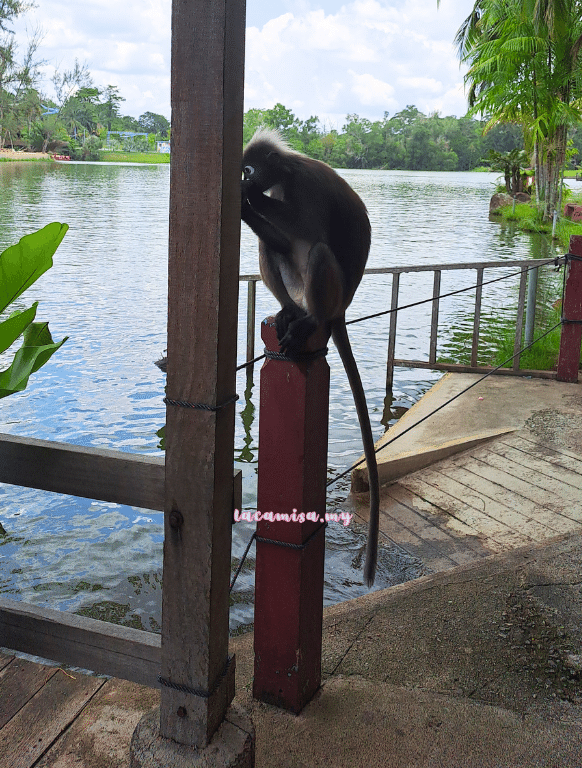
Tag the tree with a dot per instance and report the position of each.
(80, 110)
(512, 165)
(109, 109)
(356, 131)
(66, 83)
(19, 100)
(252, 120)
(150, 122)
(524, 67)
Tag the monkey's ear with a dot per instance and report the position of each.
(277, 160)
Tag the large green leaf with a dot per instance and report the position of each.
(25, 262)
(13, 326)
(36, 349)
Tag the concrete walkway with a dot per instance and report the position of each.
(479, 664)
(473, 668)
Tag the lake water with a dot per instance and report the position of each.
(107, 292)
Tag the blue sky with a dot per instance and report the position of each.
(318, 57)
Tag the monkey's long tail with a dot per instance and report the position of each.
(341, 339)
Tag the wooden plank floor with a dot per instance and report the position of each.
(504, 494)
(37, 705)
(52, 718)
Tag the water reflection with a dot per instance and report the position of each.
(108, 293)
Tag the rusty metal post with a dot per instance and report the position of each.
(293, 426)
(569, 357)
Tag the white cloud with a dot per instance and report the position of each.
(371, 91)
(320, 58)
(421, 83)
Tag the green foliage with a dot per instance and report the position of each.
(150, 122)
(153, 158)
(542, 356)
(410, 140)
(524, 67)
(89, 149)
(20, 266)
(512, 164)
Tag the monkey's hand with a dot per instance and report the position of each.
(245, 186)
(271, 235)
(251, 193)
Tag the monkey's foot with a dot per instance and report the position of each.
(285, 317)
(298, 331)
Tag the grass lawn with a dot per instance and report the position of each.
(527, 219)
(135, 157)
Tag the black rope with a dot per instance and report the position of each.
(200, 406)
(301, 357)
(262, 540)
(197, 691)
(242, 562)
(287, 543)
(453, 293)
(250, 362)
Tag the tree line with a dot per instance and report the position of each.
(409, 140)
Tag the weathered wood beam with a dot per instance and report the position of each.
(110, 649)
(92, 473)
(203, 280)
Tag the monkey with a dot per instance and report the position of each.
(314, 238)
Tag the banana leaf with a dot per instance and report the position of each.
(13, 326)
(20, 266)
(25, 262)
(37, 347)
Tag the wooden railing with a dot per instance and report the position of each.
(527, 273)
(94, 473)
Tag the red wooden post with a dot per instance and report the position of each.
(293, 424)
(569, 358)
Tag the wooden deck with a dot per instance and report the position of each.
(510, 492)
(46, 713)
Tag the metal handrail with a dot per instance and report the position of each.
(526, 266)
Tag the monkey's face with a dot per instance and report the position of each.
(261, 169)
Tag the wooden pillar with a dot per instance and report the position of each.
(207, 107)
(569, 357)
(293, 426)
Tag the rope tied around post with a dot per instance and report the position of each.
(263, 540)
(197, 691)
(302, 357)
(200, 406)
(288, 544)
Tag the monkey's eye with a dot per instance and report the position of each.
(249, 170)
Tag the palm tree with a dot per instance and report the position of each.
(525, 67)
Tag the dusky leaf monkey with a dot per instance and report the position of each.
(314, 237)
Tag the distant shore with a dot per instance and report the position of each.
(11, 154)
